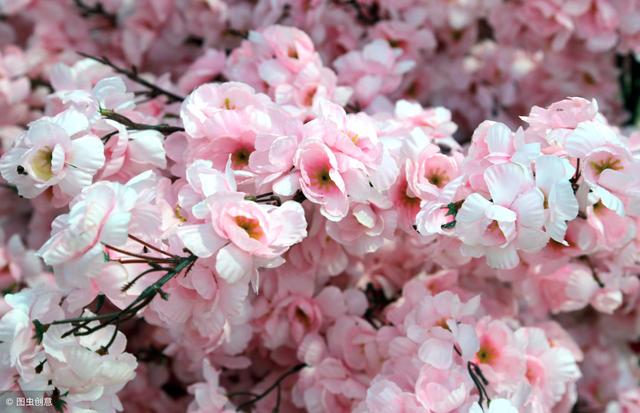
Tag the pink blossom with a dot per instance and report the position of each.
(609, 169)
(100, 215)
(56, 151)
(243, 235)
(320, 179)
(508, 223)
(209, 396)
(376, 69)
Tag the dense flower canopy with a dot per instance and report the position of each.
(370, 206)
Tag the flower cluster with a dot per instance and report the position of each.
(329, 206)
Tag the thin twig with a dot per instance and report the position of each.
(262, 395)
(133, 254)
(162, 128)
(132, 74)
(81, 327)
(146, 244)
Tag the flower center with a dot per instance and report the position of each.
(240, 158)
(494, 228)
(41, 163)
(322, 179)
(292, 53)
(442, 323)
(177, 212)
(354, 137)
(251, 226)
(302, 318)
(437, 177)
(309, 95)
(604, 164)
(486, 354)
(228, 105)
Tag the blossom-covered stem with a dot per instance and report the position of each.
(132, 254)
(270, 198)
(132, 309)
(275, 384)
(144, 261)
(146, 244)
(162, 128)
(133, 75)
(480, 381)
(142, 274)
(477, 377)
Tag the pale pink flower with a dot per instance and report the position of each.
(552, 178)
(291, 47)
(107, 93)
(100, 215)
(209, 396)
(355, 339)
(569, 288)
(375, 70)
(271, 162)
(82, 75)
(551, 371)
(493, 143)
(354, 136)
(17, 263)
(512, 221)
(430, 172)
(203, 181)
(385, 396)
(438, 325)
(302, 94)
(217, 110)
(321, 180)
(243, 235)
(442, 391)
(20, 350)
(76, 365)
(608, 167)
(434, 122)
(328, 386)
(58, 151)
(561, 117)
(364, 229)
(202, 70)
(498, 356)
(129, 153)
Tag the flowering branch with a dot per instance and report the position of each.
(478, 379)
(272, 199)
(132, 74)
(162, 128)
(269, 389)
(81, 324)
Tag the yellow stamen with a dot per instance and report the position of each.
(41, 163)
